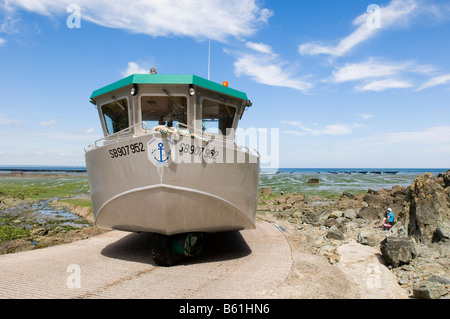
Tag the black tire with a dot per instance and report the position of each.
(161, 251)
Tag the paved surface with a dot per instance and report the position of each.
(245, 264)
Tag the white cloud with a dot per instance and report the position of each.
(8, 121)
(2, 41)
(366, 116)
(265, 14)
(45, 123)
(379, 75)
(438, 80)
(134, 68)
(332, 129)
(397, 12)
(89, 131)
(382, 85)
(259, 47)
(430, 138)
(199, 19)
(266, 67)
(372, 68)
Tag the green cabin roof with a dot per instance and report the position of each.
(169, 79)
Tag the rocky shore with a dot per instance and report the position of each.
(416, 249)
(23, 230)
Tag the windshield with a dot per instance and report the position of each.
(115, 115)
(217, 117)
(163, 110)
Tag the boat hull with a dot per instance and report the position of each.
(193, 190)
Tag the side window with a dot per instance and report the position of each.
(115, 115)
(163, 110)
(217, 117)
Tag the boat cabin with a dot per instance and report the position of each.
(140, 102)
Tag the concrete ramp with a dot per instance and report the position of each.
(244, 264)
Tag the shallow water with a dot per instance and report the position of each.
(337, 181)
(43, 190)
(29, 215)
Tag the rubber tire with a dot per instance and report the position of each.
(161, 251)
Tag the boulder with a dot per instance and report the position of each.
(311, 218)
(439, 279)
(398, 191)
(330, 222)
(369, 214)
(335, 233)
(429, 290)
(440, 235)
(350, 213)
(267, 191)
(369, 238)
(398, 250)
(445, 178)
(429, 210)
(335, 214)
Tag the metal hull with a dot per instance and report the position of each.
(190, 192)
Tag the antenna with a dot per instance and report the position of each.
(209, 56)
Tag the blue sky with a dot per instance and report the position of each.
(347, 83)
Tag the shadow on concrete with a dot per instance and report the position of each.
(137, 247)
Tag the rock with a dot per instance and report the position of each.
(429, 210)
(16, 245)
(335, 233)
(313, 181)
(439, 235)
(398, 250)
(398, 190)
(310, 218)
(324, 216)
(39, 232)
(329, 251)
(350, 213)
(444, 250)
(336, 214)
(429, 290)
(347, 194)
(297, 214)
(267, 190)
(368, 214)
(330, 222)
(369, 238)
(439, 279)
(445, 178)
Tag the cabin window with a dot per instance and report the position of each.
(217, 117)
(115, 115)
(163, 110)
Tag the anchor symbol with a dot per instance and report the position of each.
(159, 151)
(161, 157)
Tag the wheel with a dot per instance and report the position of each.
(162, 250)
(193, 244)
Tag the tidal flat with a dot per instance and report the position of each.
(36, 210)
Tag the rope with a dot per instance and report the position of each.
(173, 130)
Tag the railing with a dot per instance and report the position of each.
(116, 136)
(189, 132)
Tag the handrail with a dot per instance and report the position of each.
(117, 135)
(199, 134)
(209, 136)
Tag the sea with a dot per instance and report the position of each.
(329, 181)
(335, 181)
